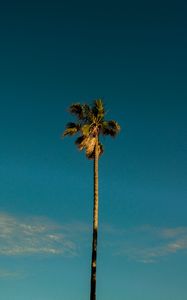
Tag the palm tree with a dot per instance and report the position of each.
(90, 125)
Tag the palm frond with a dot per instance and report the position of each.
(90, 145)
(91, 155)
(98, 109)
(71, 129)
(85, 129)
(77, 110)
(80, 142)
(101, 149)
(111, 128)
(88, 114)
(85, 142)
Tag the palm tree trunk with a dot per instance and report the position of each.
(95, 226)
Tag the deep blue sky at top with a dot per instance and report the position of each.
(133, 54)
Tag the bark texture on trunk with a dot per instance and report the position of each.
(95, 226)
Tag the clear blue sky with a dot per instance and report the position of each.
(134, 56)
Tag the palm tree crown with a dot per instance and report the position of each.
(91, 123)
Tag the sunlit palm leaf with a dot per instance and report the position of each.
(85, 129)
(98, 109)
(86, 142)
(91, 155)
(71, 129)
(90, 145)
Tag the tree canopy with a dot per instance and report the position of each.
(90, 125)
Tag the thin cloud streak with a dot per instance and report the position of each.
(31, 236)
(11, 274)
(149, 244)
(21, 236)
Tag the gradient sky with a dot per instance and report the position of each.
(133, 54)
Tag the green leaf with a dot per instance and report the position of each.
(71, 129)
(98, 109)
(85, 129)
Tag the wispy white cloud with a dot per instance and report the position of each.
(41, 236)
(31, 235)
(148, 244)
(11, 274)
